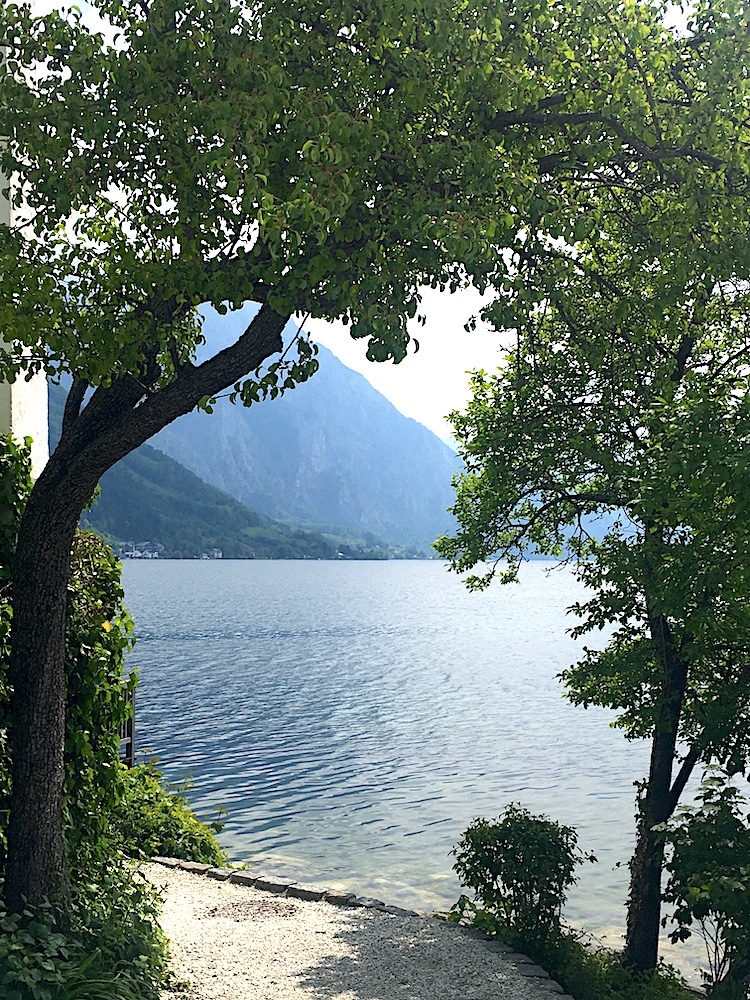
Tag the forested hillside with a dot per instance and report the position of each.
(148, 497)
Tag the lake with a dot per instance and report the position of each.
(354, 717)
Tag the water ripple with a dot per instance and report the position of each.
(353, 718)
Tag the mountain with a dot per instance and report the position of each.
(148, 497)
(332, 451)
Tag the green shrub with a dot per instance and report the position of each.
(519, 868)
(590, 972)
(98, 635)
(111, 947)
(15, 486)
(155, 819)
(709, 882)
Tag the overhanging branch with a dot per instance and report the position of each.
(537, 117)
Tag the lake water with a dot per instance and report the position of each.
(354, 717)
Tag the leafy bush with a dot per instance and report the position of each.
(155, 819)
(99, 633)
(15, 486)
(519, 867)
(110, 948)
(709, 883)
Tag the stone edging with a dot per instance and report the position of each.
(295, 890)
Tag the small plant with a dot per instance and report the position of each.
(519, 867)
(154, 818)
(709, 883)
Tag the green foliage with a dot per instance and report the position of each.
(154, 819)
(519, 867)
(99, 633)
(15, 486)
(709, 882)
(109, 948)
(590, 972)
(426, 137)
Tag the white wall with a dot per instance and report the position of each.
(23, 405)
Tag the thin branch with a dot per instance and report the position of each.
(683, 775)
(74, 402)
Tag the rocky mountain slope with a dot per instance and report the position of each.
(331, 452)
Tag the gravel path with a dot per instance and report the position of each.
(235, 942)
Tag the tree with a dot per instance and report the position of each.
(626, 397)
(308, 156)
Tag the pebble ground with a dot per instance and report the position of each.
(236, 942)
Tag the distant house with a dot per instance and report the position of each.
(143, 550)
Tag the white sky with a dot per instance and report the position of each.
(429, 384)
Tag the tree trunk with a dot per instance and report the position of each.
(35, 867)
(657, 805)
(644, 904)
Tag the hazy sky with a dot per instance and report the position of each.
(429, 384)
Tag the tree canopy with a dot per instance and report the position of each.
(321, 160)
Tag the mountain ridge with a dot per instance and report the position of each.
(331, 451)
(150, 503)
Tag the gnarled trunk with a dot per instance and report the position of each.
(35, 867)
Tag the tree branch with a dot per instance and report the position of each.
(683, 775)
(73, 403)
(536, 118)
(122, 416)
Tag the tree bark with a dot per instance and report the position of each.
(644, 903)
(657, 805)
(35, 868)
(118, 418)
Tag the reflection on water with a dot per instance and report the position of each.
(353, 718)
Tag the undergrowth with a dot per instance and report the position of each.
(108, 945)
(154, 818)
(519, 868)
